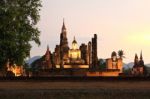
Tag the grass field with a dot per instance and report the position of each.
(75, 90)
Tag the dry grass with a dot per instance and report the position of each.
(75, 85)
(75, 90)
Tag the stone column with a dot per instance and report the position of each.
(94, 52)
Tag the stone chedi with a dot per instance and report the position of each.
(47, 64)
(64, 48)
(138, 68)
(56, 55)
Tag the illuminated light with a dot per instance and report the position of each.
(17, 70)
(74, 53)
(57, 66)
(76, 66)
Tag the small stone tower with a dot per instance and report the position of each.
(64, 48)
(139, 67)
(47, 62)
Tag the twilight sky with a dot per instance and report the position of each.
(119, 24)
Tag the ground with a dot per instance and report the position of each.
(105, 89)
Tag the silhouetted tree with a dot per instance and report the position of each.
(127, 71)
(102, 64)
(121, 54)
(18, 19)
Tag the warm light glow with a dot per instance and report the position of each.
(76, 66)
(75, 54)
(147, 37)
(74, 46)
(143, 39)
(17, 70)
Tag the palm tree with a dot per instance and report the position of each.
(121, 54)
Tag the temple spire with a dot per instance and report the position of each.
(63, 27)
(136, 57)
(141, 56)
(74, 40)
(63, 20)
(47, 47)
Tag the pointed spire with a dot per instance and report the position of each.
(47, 47)
(63, 20)
(136, 57)
(74, 41)
(141, 57)
(47, 51)
(136, 60)
(63, 27)
(47, 54)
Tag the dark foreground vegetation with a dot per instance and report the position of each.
(75, 94)
(76, 78)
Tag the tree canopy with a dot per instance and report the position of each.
(18, 19)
